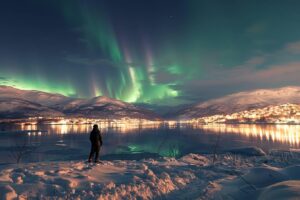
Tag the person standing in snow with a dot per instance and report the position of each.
(96, 142)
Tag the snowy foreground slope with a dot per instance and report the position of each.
(230, 176)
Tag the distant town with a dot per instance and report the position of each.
(280, 114)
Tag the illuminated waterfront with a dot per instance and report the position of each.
(289, 134)
(285, 134)
(70, 141)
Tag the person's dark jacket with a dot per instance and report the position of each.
(95, 137)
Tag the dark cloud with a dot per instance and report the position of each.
(293, 47)
(87, 61)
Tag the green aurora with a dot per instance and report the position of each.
(136, 83)
(130, 82)
(20, 81)
(155, 52)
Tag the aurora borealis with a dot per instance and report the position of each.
(158, 52)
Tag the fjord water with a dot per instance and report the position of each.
(71, 142)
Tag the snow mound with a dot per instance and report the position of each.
(264, 183)
(248, 151)
(286, 190)
(195, 159)
(264, 176)
(7, 192)
(292, 172)
(285, 153)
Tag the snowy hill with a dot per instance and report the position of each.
(242, 101)
(35, 96)
(16, 103)
(104, 107)
(19, 108)
(279, 114)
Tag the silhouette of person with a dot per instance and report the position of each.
(96, 142)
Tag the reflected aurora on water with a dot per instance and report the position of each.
(65, 142)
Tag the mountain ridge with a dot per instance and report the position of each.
(14, 102)
(27, 103)
(240, 101)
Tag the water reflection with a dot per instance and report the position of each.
(67, 142)
(285, 134)
(34, 129)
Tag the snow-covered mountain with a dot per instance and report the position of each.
(16, 103)
(279, 114)
(242, 101)
(43, 98)
(104, 107)
(19, 108)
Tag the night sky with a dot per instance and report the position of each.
(163, 52)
